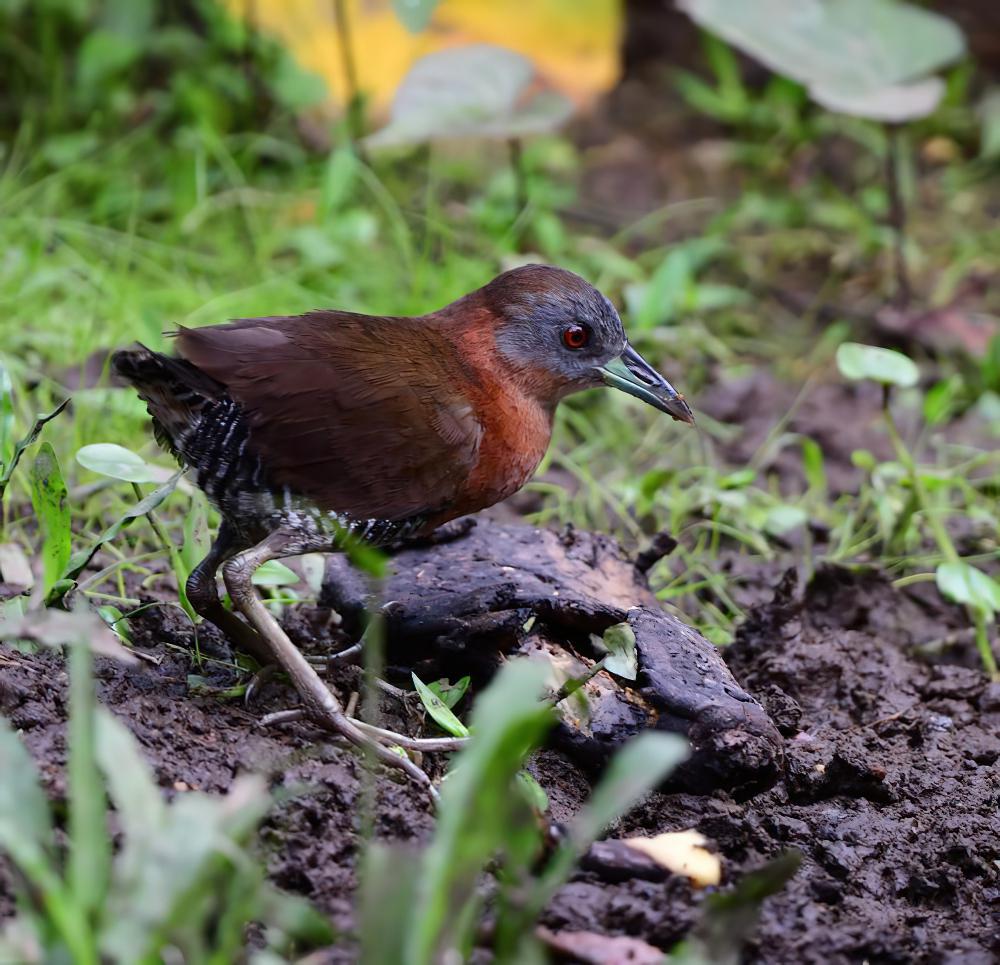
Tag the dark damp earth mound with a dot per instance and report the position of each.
(891, 787)
(891, 793)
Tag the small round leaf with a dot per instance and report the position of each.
(963, 583)
(116, 461)
(883, 365)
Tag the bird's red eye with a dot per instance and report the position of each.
(576, 336)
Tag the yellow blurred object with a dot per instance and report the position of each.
(940, 150)
(683, 853)
(573, 43)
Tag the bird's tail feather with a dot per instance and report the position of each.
(175, 392)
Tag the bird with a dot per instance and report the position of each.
(309, 431)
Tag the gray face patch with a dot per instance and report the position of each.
(538, 303)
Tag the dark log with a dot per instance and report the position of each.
(465, 605)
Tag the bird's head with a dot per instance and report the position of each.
(563, 335)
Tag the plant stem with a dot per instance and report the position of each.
(176, 563)
(355, 122)
(897, 216)
(983, 643)
(520, 175)
(941, 537)
(903, 454)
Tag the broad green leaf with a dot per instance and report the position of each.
(883, 365)
(414, 14)
(622, 659)
(901, 102)
(51, 504)
(475, 91)
(110, 459)
(963, 583)
(274, 573)
(868, 58)
(22, 444)
(439, 710)
(130, 18)
(863, 459)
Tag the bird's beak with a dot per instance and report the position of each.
(631, 373)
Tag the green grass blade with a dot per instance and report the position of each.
(635, 770)
(90, 843)
(78, 561)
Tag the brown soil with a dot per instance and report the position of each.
(890, 786)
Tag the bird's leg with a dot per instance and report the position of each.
(320, 703)
(203, 594)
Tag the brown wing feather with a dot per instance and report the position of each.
(363, 415)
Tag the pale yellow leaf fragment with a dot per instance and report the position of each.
(683, 853)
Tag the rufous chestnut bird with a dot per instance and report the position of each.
(309, 429)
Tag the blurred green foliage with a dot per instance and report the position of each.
(74, 71)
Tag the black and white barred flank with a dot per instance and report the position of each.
(205, 429)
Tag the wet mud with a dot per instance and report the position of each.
(886, 742)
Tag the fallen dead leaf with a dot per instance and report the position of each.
(683, 853)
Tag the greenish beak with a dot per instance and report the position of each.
(631, 373)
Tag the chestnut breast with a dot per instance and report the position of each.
(516, 425)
